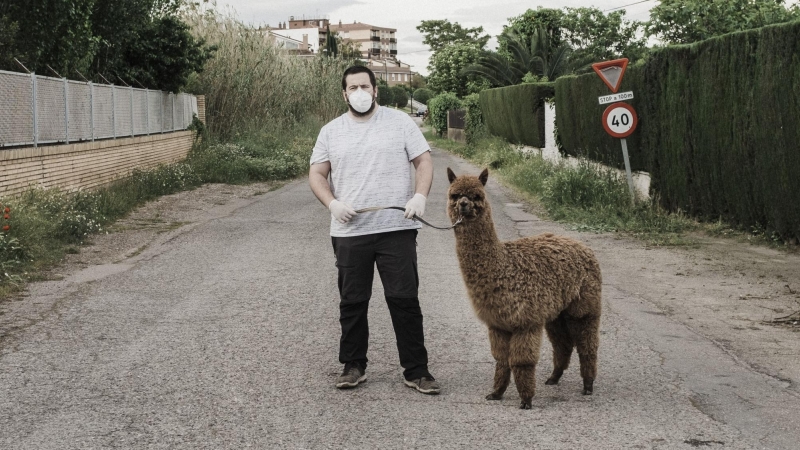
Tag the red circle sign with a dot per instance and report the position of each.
(620, 119)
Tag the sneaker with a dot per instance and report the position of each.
(426, 385)
(352, 375)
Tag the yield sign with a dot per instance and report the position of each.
(611, 72)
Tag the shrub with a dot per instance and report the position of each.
(516, 113)
(399, 96)
(422, 95)
(437, 111)
(474, 125)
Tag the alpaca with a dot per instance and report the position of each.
(519, 287)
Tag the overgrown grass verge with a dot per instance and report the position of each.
(44, 225)
(588, 198)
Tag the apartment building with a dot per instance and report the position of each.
(374, 42)
(393, 71)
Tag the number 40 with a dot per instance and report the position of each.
(624, 118)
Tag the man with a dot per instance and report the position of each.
(368, 153)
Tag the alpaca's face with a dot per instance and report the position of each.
(466, 196)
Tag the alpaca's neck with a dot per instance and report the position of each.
(477, 241)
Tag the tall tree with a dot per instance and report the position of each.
(441, 33)
(145, 40)
(331, 48)
(592, 34)
(57, 33)
(8, 30)
(535, 59)
(446, 66)
(686, 21)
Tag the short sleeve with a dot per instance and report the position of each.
(320, 152)
(416, 144)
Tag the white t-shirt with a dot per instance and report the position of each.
(371, 166)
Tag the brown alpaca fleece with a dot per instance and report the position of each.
(519, 287)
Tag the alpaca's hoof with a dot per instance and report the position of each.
(494, 396)
(588, 386)
(551, 381)
(525, 405)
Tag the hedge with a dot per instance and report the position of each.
(517, 112)
(719, 126)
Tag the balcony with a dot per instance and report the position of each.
(374, 51)
(375, 38)
(393, 40)
(392, 52)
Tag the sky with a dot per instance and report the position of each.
(405, 15)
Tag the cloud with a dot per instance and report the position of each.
(258, 12)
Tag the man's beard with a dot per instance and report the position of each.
(365, 113)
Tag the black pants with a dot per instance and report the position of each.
(395, 254)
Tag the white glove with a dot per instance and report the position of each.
(340, 211)
(415, 206)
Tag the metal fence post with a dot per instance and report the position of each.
(91, 107)
(147, 110)
(35, 118)
(66, 111)
(132, 130)
(114, 111)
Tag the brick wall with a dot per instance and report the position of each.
(201, 108)
(89, 164)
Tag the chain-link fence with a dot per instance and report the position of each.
(42, 110)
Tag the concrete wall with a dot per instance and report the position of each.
(89, 164)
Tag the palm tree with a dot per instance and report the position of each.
(537, 58)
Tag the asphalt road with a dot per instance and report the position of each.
(225, 335)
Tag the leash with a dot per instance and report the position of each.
(378, 208)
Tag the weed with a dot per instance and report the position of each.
(586, 196)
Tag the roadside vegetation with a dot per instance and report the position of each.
(264, 110)
(588, 198)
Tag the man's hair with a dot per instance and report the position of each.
(358, 69)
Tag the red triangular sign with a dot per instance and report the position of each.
(611, 72)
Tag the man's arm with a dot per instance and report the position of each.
(318, 180)
(424, 177)
(423, 164)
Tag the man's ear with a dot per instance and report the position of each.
(344, 94)
(484, 176)
(450, 175)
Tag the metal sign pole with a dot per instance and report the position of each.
(628, 170)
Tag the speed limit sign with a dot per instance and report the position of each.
(620, 119)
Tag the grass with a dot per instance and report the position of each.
(584, 196)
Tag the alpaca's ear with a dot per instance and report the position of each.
(484, 176)
(450, 175)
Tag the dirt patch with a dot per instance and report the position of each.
(133, 234)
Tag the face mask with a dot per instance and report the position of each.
(360, 101)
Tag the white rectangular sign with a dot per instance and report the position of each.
(618, 97)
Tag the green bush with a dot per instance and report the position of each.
(399, 96)
(474, 127)
(516, 113)
(422, 95)
(437, 111)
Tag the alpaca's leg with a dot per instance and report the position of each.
(586, 334)
(523, 355)
(562, 347)
(499, 340)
